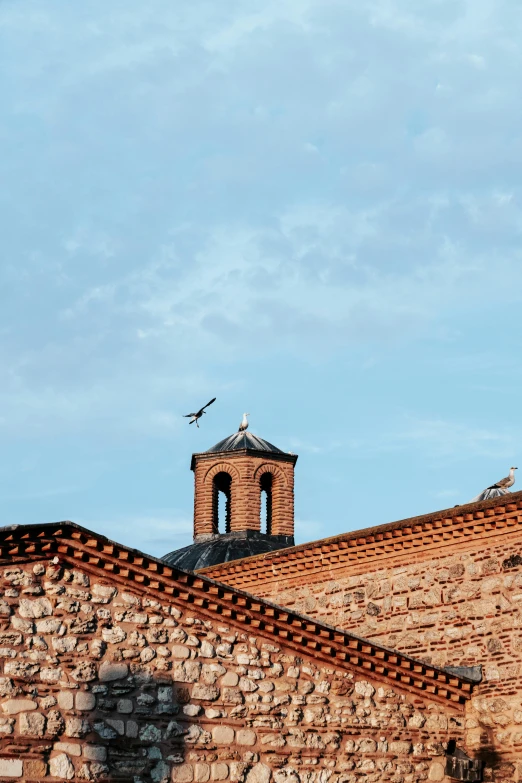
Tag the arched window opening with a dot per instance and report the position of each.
(221, 497)
(266, 503)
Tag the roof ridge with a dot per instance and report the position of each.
(451, 513)
(125, 564)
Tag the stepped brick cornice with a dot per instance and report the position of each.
(415, 538)
(120, 565)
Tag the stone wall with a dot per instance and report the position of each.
(460, 606)
(103, 683)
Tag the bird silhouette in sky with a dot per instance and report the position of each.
(195, 416)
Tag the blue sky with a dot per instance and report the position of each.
(310, 209)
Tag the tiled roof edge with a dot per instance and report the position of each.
(335, 646)
(364, 533)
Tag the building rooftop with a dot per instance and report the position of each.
(240, 441)
(224, 548)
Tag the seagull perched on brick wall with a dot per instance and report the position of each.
(195, 416)
(498, 489)
(244, 423)
(505, 483)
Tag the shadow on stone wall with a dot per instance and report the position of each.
(489, 756)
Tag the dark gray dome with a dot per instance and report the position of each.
(223, 548)
(244, 440)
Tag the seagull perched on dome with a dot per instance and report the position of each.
(244, 423)
(500, 488)
(195, 416)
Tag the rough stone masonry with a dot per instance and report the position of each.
(444, 588)
(113, 675)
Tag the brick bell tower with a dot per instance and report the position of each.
(236, 472)
(243, 502)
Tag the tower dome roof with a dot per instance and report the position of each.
(239, 441)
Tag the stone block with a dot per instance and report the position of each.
(183, 773)
(400, 748)
(201, 772)
(14, 706)
(260, 773)
(64, 644)
(207, 650)
(66, 700)
(103, 594)
(191, 710)
(84, 672)
(112, 671)
(219, 771)
(68, 747)
(223, 735)
(26, 626)
(246, 737)
(11, 768)
(113, 635)
(51, 674)
(179, 651)
(85, 701)
(188, 671)
(32, 724)
(205, 692)
(131, 729)
(41, 607)
(248, 686)
(76, 727)
(10, 638)
(232, 696)
(61, 767)
(95, 752)
(35, 769)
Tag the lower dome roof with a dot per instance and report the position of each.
(223, 548)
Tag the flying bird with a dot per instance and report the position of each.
(505, 483)
(244, 423)
(195, 416)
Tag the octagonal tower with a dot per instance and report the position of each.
(243, 501)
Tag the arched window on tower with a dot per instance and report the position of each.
(221, 497)
(266, 503)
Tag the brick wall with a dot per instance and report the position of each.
(110, 684)
(246, 471)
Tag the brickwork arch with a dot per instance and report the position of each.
(267, 467)
(222, 467)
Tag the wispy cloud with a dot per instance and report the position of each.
(454, 439)
(184, 209)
